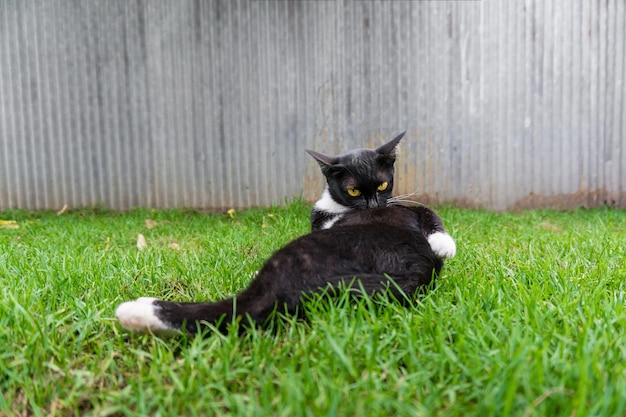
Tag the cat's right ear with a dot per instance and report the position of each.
(324, 161)
(328, 164)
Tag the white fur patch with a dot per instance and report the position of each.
(330, 222)
(442, 244)
(139, 316)
(328, 205)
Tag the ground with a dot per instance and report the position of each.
(528, 320)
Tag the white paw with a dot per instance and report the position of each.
(442, 244)
(140, 316)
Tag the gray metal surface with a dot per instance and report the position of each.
(211, 103)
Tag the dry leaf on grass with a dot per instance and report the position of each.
(551, 227)
(63, 210)
(9, 224)
(141, 242)
(149, 223)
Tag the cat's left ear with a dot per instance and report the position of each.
(388, 150)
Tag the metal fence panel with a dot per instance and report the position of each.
(211, 103)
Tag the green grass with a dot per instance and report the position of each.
(528, 320)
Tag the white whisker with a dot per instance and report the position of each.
(405, 199)
(404, 196)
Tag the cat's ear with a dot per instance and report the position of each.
(390, 147)
(326, 162)
(387, 152)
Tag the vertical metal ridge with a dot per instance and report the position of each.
(10, 194)
(620, 107)
(15, 107)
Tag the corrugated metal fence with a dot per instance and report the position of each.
(211, 103)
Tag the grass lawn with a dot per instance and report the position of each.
(527, 320)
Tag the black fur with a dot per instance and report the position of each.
(361, 169)
(366, 248)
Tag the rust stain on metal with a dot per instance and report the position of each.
(583, 198)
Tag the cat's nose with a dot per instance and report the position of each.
(371, 202)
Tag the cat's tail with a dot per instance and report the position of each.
(150, 315)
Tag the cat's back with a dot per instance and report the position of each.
(365, 233)
(368, 244)
(392, 217)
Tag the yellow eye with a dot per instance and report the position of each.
(383, 186)
(354, 192)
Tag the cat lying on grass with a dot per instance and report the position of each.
(378, 249)
(361, 239)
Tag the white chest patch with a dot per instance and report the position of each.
(442, 244)
(328, 205)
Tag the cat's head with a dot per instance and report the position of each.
(361, 178)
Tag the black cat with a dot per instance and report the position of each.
(360, 179)
(377, 249)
